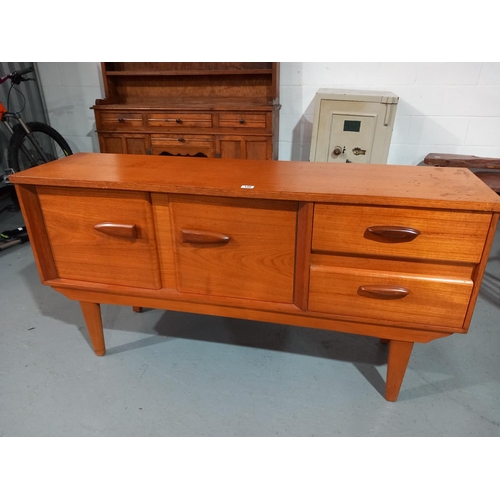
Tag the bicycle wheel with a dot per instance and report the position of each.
(22, 153)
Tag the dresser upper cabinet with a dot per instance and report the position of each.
(204, 109)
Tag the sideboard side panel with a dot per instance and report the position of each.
(478, 276)
(35, 225)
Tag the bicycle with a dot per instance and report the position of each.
(30, 144)
(33, 143)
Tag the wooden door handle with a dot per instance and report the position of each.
(383, 292)
(392, 234)
(120, 230)
(201, 236)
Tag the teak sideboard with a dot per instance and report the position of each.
(395, 252)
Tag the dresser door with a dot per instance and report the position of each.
(101, 236)
(234, 247)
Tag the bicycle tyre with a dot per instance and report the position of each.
(52, 143)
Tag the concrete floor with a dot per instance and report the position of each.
(176, 374)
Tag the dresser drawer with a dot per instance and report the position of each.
(234, 247)
(101, 236)
(115, 121)
(400, 232)
(439, 297)
(180, 120)
(183, 145)
(242, 120)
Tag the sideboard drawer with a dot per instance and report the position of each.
(115, 121)
(181, 120)
(400, 232)
(183, 145)
(239, 120)
(101, 236)
(434, 300)
(234, 247)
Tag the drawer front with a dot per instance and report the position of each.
(405, 299)
(234, 248)
(121, 254)
(183, 145)
(119, 121)
(399, 232)
(180, 120)
(242, 120)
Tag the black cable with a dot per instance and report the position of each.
(22, 95)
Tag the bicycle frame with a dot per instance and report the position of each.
(5, 116)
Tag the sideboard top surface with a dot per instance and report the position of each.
(391, 185)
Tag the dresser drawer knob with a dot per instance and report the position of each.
(119, 230)
(181, 139)
(205, 237)
(383, 292)
(391, 234)
(178, 120)
(242, 121)
(121, 120)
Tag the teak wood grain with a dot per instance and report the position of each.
(382, 185)
(257, 259)
(83, 252)
(389, 251)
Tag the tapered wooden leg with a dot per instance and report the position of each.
(92, 314)
(399, 355)
(137, 309)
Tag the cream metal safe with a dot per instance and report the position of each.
(352, 126)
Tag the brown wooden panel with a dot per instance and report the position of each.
(136, 144)
(230, 148)
(386, 185)
(83, 253)
(183, 145)
(256, 263)
(111, 144)
(258, 148)
(303, 254)
(163, 227)
(370, 294)
(444, 235)
(242, 120)
(112, 121)
(28, 200)
(179, 120)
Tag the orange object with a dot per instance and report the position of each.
(388, 251)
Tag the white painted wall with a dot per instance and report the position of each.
(443, 107)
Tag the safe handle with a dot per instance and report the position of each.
(383, 292)
(202, 236)
(394, 234)
(120, 230)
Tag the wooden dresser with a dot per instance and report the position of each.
(395, 252)
(221, 109)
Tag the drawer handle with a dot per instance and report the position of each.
(121, 120)
(178, 120)
(392, 234)
(383, 292)
(181, 139)
(120, 230)
(200, 236)
(242, 121)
